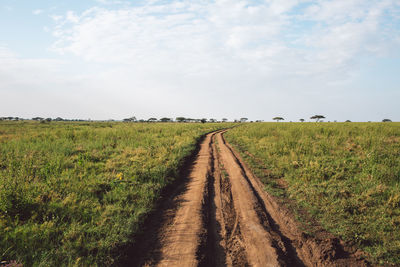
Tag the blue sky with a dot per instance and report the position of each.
(104, 59)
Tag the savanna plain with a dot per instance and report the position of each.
(78, 193)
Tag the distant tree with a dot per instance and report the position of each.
(317, 118)
(302, 120)
(348, 121)
(165, 120)
(203, 120)
(58, 119)
(386, 120)
(47, 120)
(152, 120)
(180, 119)
(278, 119)
(213, 120)
(131, 119)
(259, 120)
(37, 119)
(243, 119)
(224, 119)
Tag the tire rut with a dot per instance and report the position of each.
(253, 220)
(226, 219)
(285, 252)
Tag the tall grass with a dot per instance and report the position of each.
(347, 175)
(74, 193)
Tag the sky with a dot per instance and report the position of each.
(113, 59)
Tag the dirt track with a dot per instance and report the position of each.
(223, 217)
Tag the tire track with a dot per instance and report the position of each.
(181, 239)
(224, 218)
(286, 251)
(253, 219)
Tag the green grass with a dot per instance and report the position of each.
(75, 193)
(347, 175)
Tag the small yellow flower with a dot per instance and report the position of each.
(120, 175)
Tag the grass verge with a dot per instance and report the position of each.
(346, 175)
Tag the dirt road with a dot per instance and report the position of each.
(223, 217)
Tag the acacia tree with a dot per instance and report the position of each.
(180, 119)
(243, 119)
(301, 120)
(152, 120)
(165, 120)
(386, 120)
(224, 119)
(317, 117)
(131, 119)
(278, 119)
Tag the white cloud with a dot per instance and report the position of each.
(37, 11)
(32, 87)
(193, 36)
(111, 2)
(16, 71)
(5, 52)
(165, 57)
(56, 18)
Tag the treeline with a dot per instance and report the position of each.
(131, 119)
(317, 118)
(181, 119)
(38, 119)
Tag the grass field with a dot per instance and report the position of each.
(347, 175)
(75, 193)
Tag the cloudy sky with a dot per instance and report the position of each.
(103, 59)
